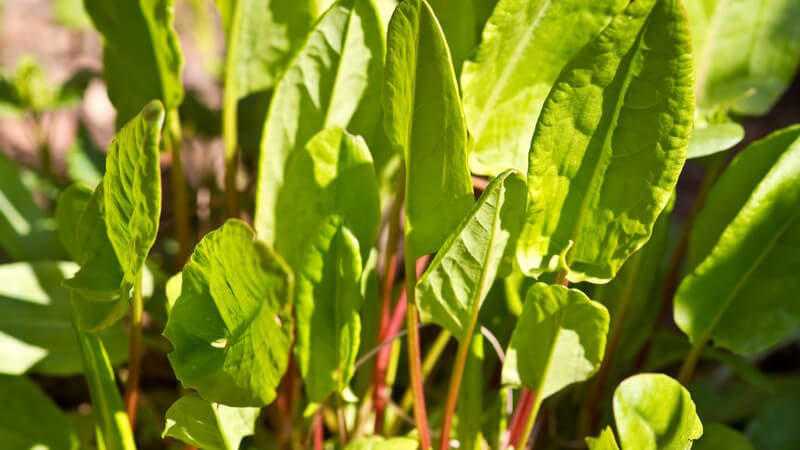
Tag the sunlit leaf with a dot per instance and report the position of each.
(717, 436)
(713, 138)
(379, 443)
(605, 441)
(207, 425)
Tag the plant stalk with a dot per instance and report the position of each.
(134, 351)
(687, 369)
(318, 430)
(414, 359)
(180, 197)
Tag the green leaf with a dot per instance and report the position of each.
(746, 52)
(142, 59)
(745, 247)
(211, 426)
(717, 436)
(113, 427)
(332, 174)
(453, 288)
(327, 306)
(424, 121)
(71, 13)
(470, 398)
(459, 25)
(85, 162)
(502, 94)
(654, 412)
(713, 138)
(560, 339)
(605, 441)
(36, 321)
(30, 420)
(609, 145)
(379, 443)
(333, 81)
(774, 427)
(231, 327)
(70, 206)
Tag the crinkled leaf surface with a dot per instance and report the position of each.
(379, 443)
(327, 310)
(717, 436)
(332, 174)
(654, 412)
(609, 145)
(452, 289)
(206, 425)
(333, 81)
(713, 138)
(423, 119)
(525, 45)
(746, 52)
(750, 234)
(605, 441)
(559, 339)
(231, 327)
(142, 59)
(36, 332)
(30, 420)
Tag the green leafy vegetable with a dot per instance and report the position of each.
(609, 145)
(231, 327)
(713, 138)
(209, 425)
(503, 95)
(423, 120)
(605, 441)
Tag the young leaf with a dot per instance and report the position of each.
(713, 138)
(327, 306)
(36, 321)
(559, 340)
(113, 427)
(747, 280)
(609, 145)
(654, 412)
(605, 441)
(502, 94)
(70, 206)
(30, 420)
(332, 174)
(211, 426)
(142, 59)
(452, 289)
(231, 327)
(746, 52)
(333, 81)
(423, 120)
(717, 436)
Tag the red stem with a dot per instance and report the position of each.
(517, 425)
(318, 431)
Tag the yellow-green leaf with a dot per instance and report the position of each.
(210, 426)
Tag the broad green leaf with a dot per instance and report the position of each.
(453, 288)
(525, 45)
(774, 427)
(559, 339)
(717, 436)
(231, 327)
(332, 174)
(36, 332)
(654, 412)
(327, 306)
(747, 280)
(459, 25)
(26, 232)
(85, 162)
(609, 145)
(132, 189)
(333, 81)
(605, 441)
(424, 121)
(142, 59)
(379, 443)
(746, 52)
(713, 138)
(206, 425)
(113, 427)
(30, 420)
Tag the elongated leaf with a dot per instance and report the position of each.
(424, 121)
(560, 339)
(379, 443)
(334, 81)
(654, 412)
(470, 398)
(748, 279)
(459, 25)
(713, 138)
(503, 94)
(231, 327)
(452, 289)
(112, 422)
(605, 441)
(609, 145)
(333, 174)
(30, 420)
(328, 302)
(36, 321)
(207, 425)
(717, 436)
(71, 204)
(142, 59)
(746, 52)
